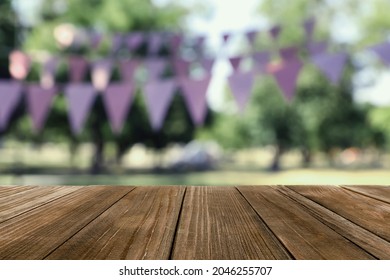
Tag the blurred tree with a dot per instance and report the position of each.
(10, 29)
(321, 116)
(111, 17)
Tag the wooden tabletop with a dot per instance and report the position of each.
(175, 222)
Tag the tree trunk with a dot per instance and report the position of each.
(98, 140)
(97, 161)
(275, 166)
(306, 157)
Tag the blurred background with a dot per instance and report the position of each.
(326, 134)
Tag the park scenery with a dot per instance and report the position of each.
(147, 92)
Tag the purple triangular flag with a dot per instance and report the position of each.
(127, 68)
(155, 42)
(207, 64)
(199, 41)
(181, 67)
(175, 42)
(226, 37)
(49, 68)
(251, 36)
(275, 31)
(117, 42)
(288, 53)
(261, 59)
(118, 99)
(287, 77)
(159, 94)
(382, 50)
(309, 26)
(241, 86)
(10, 93)
(235, 62)
(101, 73)
(315, 48)
(134, 40)
(331, 64)
(39, 100)
(95, 39)
(80, 98)
(194, 92)
(155, 67)
(78, 66)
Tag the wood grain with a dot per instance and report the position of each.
(381, 193)
(303, 235)
(36, 233)
(17, 203)
(376, 246)
(367, 212)
(248, 222)
(139, 226)
(217, 223)
(9, 191)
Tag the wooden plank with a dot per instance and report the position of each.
(365, 239)
(381, 193)
(23, 201)
(140, 226)
(301, 233)
(367, 212)
(217, 223)
(8, 191)
(36, 233)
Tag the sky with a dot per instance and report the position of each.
(237, 16)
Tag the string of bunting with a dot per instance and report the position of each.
(192, 77)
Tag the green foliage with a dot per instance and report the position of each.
(108, 17)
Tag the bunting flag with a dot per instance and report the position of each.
(158, 97)
(331, 65)
(251, 36)
(225, 37)
(261, 59)
(235, 62)
(194, 92)
(288, 53)
(95, 39)
(287, 76)
(155, 42)
(199, 42)
(80, 98)
(181, 66)
(315, 48)
(383, 52)
(155, 67)
(39, 101)
(10, 94)
(309, 26)
(49, 68)
(20, 64)
(101, 73)
(78, 67)
(241, 87)
(117, 42)
(118, 99)
(175, 43)
(127, 69)
(275, 31)
(134, 40)
(207, 64)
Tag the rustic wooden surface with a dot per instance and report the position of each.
(177, 222)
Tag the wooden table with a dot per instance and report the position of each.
(173, 222)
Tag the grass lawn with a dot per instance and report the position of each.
(296, 176)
